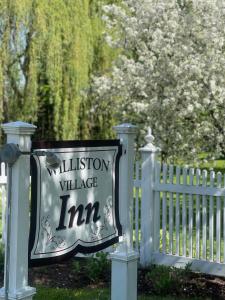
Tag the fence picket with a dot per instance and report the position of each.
(164, 211)
(157, 210)
(177, 212)
(198, 220)
(171, 212)
(137, 209)
(190, 215)
(218, 219)
(204, 216)
(211, 218)
(184, 220)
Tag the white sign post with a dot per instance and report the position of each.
(124, 259)
(19, 133)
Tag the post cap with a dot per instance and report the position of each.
(150, 147)
(126, 128)
(18, 128)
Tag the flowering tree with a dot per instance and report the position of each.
(170, 74)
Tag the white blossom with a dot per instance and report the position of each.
(170, 74)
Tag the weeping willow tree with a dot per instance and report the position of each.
(48, 51)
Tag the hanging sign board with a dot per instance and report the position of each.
(75, 207)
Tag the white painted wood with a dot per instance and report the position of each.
(136, 219)
(124, 276)
(191, 191)
(164, 211)
(3, 175)
(186, 189)
(198, 216)
(157, 210)
(3, 203)
(190, 215)
(3, 186)
(171, 211)
(137, 210)
(197, 265)
(149, 155)
(19, 133)
(204, 216)
(218, 220)
(184, 218)
(126, 133)
(211, 218)
(124, 259)
(177, 212)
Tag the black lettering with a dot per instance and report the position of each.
(72, 168)
(73, 212)
(62, 185)
(95, 181)
(82, 185)
(89, 159)
(89, 208)
(67, 185)
(70, 185)
(106, 165)
(89, 183)
(98, 164)
(76, 185)
(82, 163)
(50, 172)
(64, 166)
(63, 212)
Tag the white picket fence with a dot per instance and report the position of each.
(186, 208)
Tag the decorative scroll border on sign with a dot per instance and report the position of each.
(57, 241)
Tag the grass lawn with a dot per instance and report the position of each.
(66, 294)
(89, 294)
(218, 165)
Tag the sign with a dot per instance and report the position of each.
(75, 208)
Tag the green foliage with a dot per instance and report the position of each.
(98, 267)
(95, 268)
(48, 51)
(2, 257)
(93, 123)
(168, 280)
(76, 268)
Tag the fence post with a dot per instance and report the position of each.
(19, 133)
(149, 158)
(124, 259)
